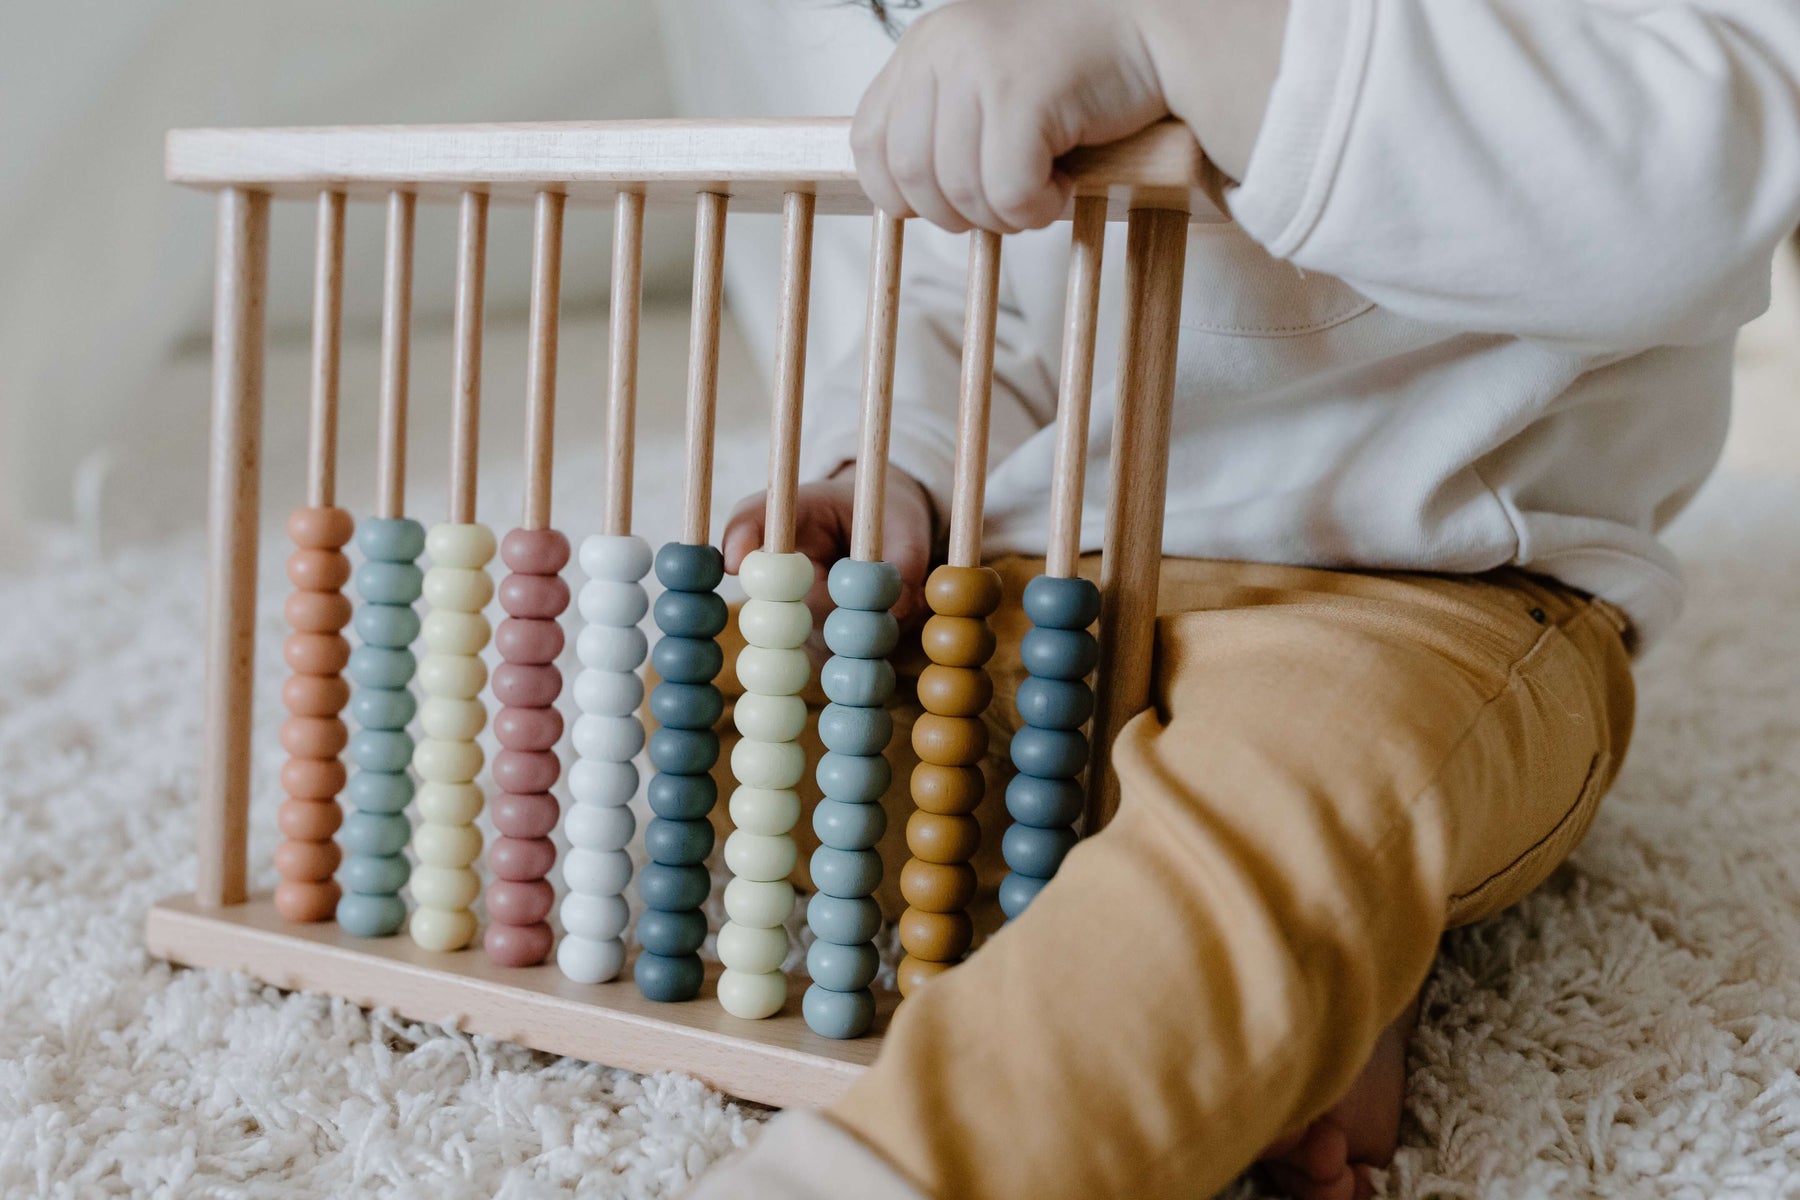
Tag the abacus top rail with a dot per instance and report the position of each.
(754, 161)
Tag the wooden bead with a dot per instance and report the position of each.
(533, 642)
(591, 826)
(777, 577)
(314, 695)
(442, 930)
(613, 739)
(668, 887)
(1054, 703)
(957, 641)
(460, 546)
(681, 660)
(842, 919)
(312, 778)
(847, 729)
(535, 597)
(306, 901)
(1017, 892)
(752, 856)
(391, 539)
(370, 915)
(963, 591)
(316, 612)
(668, 980)
(1054, 603)
(1044, 803)
(849, 826)
(600, 782)
(384, 751)
(598, 872)
(314, 737)
(458, 589)
(389, 583)
(839, 1015)
(587, 960)
(440, 761)
(316, 653)
(942, 837)
(528, 728)
(773, 672)
(445, 889)
(955, 691)
(686, 705)
(318, 570)
(380, 668)
(525, 686)
(535, 551)
(521, 859)
(449, 803)
(751, 948)
(752, 996)
(597, 918)
(307, 861)
(1058, 653)
(452, 720)
(776, 624)
(671, 934)
(535, 816)
(510, 945)
(610, 648)
(457, 676)
(1036, 852)
(321, 528)
(380, 708)
(1049, 753)
(618, 558)
(308, 820)
(864, 586)
(685, 568)
(914, 973)
(374, 834)
(842, 968)
(523, 772)
(769, 718)
(937, 788)
(858, 682)
(850, 874)
(855, 779)
(774, 765)
(949, 741)
(765, 812)
(691, 614)
(677, 842)
(375, 792)
(759, 902)
(611, 602)
(855, 634)
(935, 936)
(937, 887)
(391, 626)
(515, 902)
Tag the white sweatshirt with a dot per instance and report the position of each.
(1474, 303)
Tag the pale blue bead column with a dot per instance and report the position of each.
(375, 834)
(1050, 751)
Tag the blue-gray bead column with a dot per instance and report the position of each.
(1050, 751)
(376, 832)
(853, 775)
(674, 883)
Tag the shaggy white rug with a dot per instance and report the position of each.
(1633, 1030)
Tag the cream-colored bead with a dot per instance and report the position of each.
(460, 545)
(446, 845)
(759, 902)
(449, 803)
(444, 888)
(773, 672)
(765, 811)
(752, 997)
(752, 856)
(457, 676)
(766, 576)
(767, 764)
(439, 761)
(751, 948)
(451, 719)
(769, 718)
(447, 631)
(777, 624)
(442, 930)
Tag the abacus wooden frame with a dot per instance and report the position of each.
(1155, 179)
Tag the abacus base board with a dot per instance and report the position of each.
(779, 1061)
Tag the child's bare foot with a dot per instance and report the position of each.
(1332, 1158)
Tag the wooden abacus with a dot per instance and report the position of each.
(330, 925)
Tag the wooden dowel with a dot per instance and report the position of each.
(328, 314)
(540, 366)
(1156, 252)
(886, 242)
(1081, 314)
(396, 355)
(790, 370)
(621, 390)
(465, 385)
(234, 475)
(703, 367)
(980, 313)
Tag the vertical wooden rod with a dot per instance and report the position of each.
(980, 314)
(396, 356)
(790, 370)
(886, 242)
(328, 313)
(234, 475)
(540, 369)
(621, 391)
(1081, 314)
(1155, 256)
(703, 366)
(465, 430)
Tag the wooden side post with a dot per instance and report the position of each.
(234, 476)
(1155, 256)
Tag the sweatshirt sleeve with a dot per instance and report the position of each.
(1611, 176)
(927, 371)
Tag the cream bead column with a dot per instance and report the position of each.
(773, 668)
(611, 647)
(457, 588)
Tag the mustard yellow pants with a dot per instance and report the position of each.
(1336, 768)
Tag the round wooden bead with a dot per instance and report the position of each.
(1044, 803)
(854, 633)
(849, 826)
(316, 653)
(452, 720)
(378, 835)
(752, 948)
(666, 886)
(313, 737)
(523, 771)
(594, 781)
(957, 641)
(691, 614)
(942, 837)
(769, 718)
(528, 728)
(520, 902)
(766, 812)
(457, 676)
(370, 915)
(318, 570)
(685, 568)
(389, 625)
(937, 887)
(759, 902)
(446, 845)
(534, 597)
(955, 691)
(668, 979)
(687, 660)
(777, 624)
(383, 751)
(774, 765)
(464, 546)
(858, 682)
(1055, 703)
(597, 872)
(535, 816)
(372, 875)
(521, 859)
(752, 996)
(1036, 852)
(846, 920)
(778, 577)
(313, 778)
(682, 797)
(306, 901)
(773, 672)
(440, 761)
(307, 861)
(855, 779)
(308, 820)
(937, 937)
(321, 528)
(527, 686)
(442, 930)
(448, 632)
(671, 934)
(1049, 753)
(866, 586)
(316, 612)
(1018, 891)
(677, 842)
(848, 873)
(963, 591)
(1054, 603)
(535, 551)
(612, 739)
(389, 582)
(391, 539)
(686, 705)
(684, 751)
(381, 669)
(842, 968)
(618, 558)
(753, 856)
(459, 589)
(522, 640)
(599, 918)
(317, 695)
(612, 648)
(606, 693)
(838, 1015)
(591, 826)
(449, 803)
(949, 741)
(585, 961)
(374, 708)
(612, 602)
(1058, 653)
(510, 945)
(380, 792)
(846, 729)
(445, 889)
